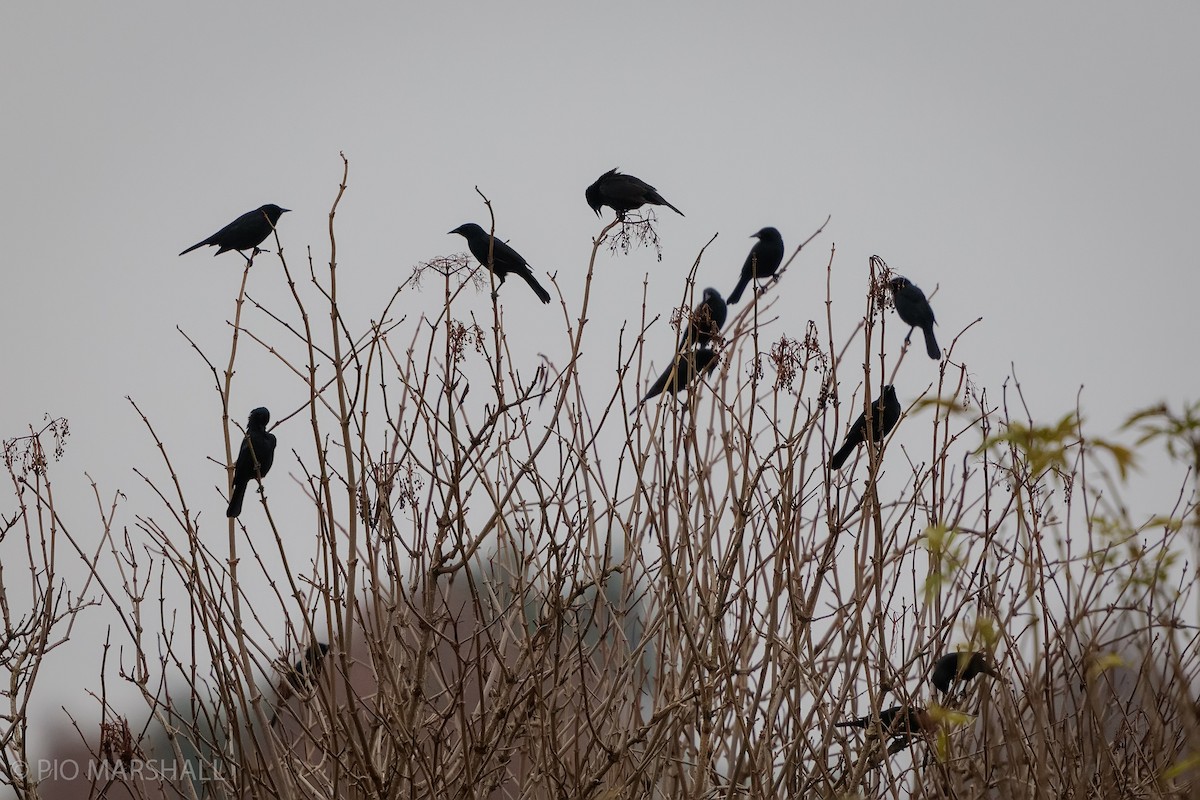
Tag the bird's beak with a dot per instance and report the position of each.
(284, 210)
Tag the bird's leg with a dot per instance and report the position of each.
(250, 258)
(906, 338)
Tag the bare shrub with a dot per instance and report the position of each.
(527, 590)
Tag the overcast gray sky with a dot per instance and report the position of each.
(1035, 162)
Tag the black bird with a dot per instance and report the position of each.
(896, 721)
(884, 416)
(254, 459)
(705, 321)
(765, 257)
(302, 675)
(246, 232)
(683, 370)
(305, 671)
(503, 258)
(961, 666)
(623, 193)
(914, 311)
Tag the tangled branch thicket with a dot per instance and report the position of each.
(530, 591)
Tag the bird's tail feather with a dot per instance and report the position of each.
(931, 345)
(840, 456)
(235, 502)
(542, 294)
(193, 247)
(736, 294)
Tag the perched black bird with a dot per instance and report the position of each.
(254, 459)
(896, 721)
(961, 666)
(305, 671)
(884, 416)
(705, 322)
(765, 257)
(623, 193)
(914, 310)
(683, 370)
(302, 676)
(503, 258)
(246, 232)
